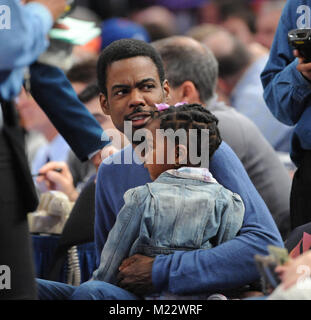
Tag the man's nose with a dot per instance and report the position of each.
(136, 99)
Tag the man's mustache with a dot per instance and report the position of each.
(148, 110)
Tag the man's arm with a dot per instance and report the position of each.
(286, 91)
(230, 212)
(54, 94)
(229, 265)
(33, 21)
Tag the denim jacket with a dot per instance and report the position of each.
(181, 210)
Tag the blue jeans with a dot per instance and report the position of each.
(90, 290)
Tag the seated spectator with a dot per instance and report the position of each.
(239, 20)
(129, 57)
(83, 79)
(131, 79)
(55, 148)
(159, 21)
(32, 123)
(238, 17)
(76, 173)
(267, 22)
(209, 12)
(239, 79)
(192, 210)
(192, 70)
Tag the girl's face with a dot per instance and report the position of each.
(158, 158)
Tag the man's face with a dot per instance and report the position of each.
(266, 26)
(133, 89)
(32, 116)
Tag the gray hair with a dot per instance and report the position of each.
(189, 63)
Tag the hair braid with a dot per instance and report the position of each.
(192, 116)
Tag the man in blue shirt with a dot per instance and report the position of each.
(183, 272)
(22, 40)
(286, 82)
(131, 79)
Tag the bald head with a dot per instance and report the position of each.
(232, 55)
(158, 20)
(220, 42)
(178, 41)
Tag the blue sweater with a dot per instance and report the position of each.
(227, 266)
(286, 91)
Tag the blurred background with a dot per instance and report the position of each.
(94, 24)
(252, 20)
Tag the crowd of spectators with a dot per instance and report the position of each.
(213, 54)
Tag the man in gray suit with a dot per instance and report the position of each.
(192, 72)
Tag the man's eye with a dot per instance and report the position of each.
(148, 86)
(120, 92)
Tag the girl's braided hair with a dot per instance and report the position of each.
(191, 116)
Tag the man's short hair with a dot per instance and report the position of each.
(84, 72)
(124, 49)
(233, 62)
(186, 63)
(242, 12)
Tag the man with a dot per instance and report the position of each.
(286, 82)
(130, 82)
(131, 79)
(191, 70)
(21, 46)
(33, 120)
(267, 21)
(239, 79)
(71, 180)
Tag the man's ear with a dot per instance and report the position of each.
(181, 156)
(189, 93)
(166, 89)
(104, 104)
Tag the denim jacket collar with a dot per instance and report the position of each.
(194, 173)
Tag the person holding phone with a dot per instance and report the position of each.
(286, 79)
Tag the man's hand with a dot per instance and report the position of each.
(61, 181)
(304, 68)
(136, 275)
(107, 151)
(56, 7)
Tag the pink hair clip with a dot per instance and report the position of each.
(164, 106)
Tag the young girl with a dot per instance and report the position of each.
(184, 208)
